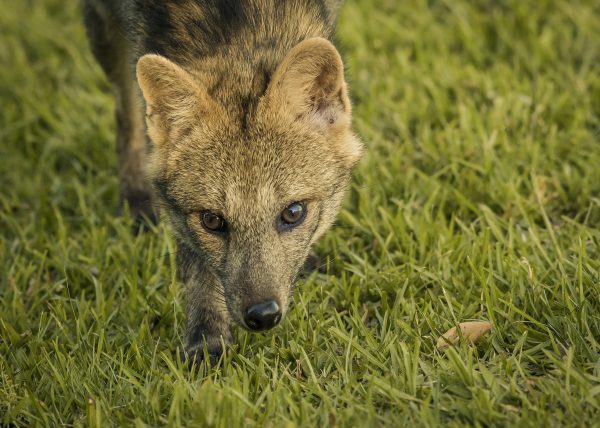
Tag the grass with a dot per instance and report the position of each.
(478, 198)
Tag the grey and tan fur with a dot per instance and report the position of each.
(247, 109)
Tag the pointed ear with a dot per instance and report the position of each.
(309, 85)
(171, 94)
(310, 82)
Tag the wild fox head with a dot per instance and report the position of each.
(250, 197)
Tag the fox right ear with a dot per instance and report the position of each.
(172, 96)
(310, 82)
(309, 85)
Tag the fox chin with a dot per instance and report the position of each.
(234, 117)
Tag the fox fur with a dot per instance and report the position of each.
(247, 111)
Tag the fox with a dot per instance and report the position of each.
(234, 118)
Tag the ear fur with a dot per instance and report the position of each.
(309, 85)
(171, 94)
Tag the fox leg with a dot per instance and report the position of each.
(207, 319)
(134, 187)
(208, 323)
(113, 52)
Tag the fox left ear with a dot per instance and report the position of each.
(309, 85)
(172, 96)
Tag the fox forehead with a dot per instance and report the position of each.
(259, 169)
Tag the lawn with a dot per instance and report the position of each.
(478, 199)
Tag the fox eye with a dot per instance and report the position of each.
(293, 215)
(213, 222)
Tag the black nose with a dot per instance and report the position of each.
(263, 316)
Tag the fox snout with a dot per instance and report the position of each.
(257, 308)
(263, 316)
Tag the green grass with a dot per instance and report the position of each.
(478, 198)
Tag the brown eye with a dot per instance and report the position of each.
(293, 214)
(213, 222)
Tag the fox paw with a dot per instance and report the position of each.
(312, 264)
(141, 210)
(194, 355)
